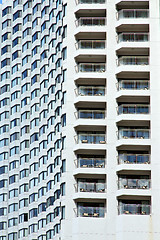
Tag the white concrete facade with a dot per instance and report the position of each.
(79, 120)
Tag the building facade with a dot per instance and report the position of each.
(79, 120)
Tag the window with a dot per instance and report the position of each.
(16, 68)
(14, 151)
(26, 32)
(41, 208)
(3, 197)
(14, 164)
(24, 173)
(34, 137)
(16, 54)
(35, 36)
(33, 182)
(12, 222)
(13, 207)
(35, 23)
(15, 95)
(26, 46)
(4, 89)
(25, 102)
(35, 108)
(23, 218)
(23, 188)
(43, 145)
(33, 228)
(15, 82)
(13, 178)
(12, 236)
(24, 159)
(24, 116)
(23, 203)
(13, 193)
(5, 49)
(33, 213)
(34, 123)
(5, 75)
(64, 53)
(25, 74)
(24, 130)
(42, 223)
(6, 11)
(5, 62)
(26, 59)
(42, 192)
(16, 41)
(6, 23)
(15, 122)
(16, 15)
(44, 26)
(3, 183)
(34, 79)
(63, 189)
(33, 197)
(42, 176)
(6, 36)
(24, 145)
(36, 8)
(3, 156)
(44, 11)
(17, 28)
(27, 5)
(14, 136)
(35, 50)
(27, 18)
(4, 115)
(23, 233)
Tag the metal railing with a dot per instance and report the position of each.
(90, 2)
(90, 187)
(125, 183)
(133, 158)
(90, 114)
(90, 163)
(91, 21)
(133, 109)
(90, 91)
(91, 67)
(90, 138)
(133, 13)
(134, 134)
(133, 60)
(133, 85)
(98, 212)
(136, 209)
(133, 37)
(90, 44)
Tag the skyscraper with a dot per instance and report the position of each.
(79, 120)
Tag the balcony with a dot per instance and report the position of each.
(133, 85)
(90, 2)
(134, 209)
(133, 60)
(133, 37)
(91, 21)
(84, 211)
(133, 183)
(132, 13)
(90, 138)
(134, 134)
(90, 114)
(90, 91)
(96, 187)
(90, 163)
(133, 109)
(133, 158)
(91, 44)
(91, 67)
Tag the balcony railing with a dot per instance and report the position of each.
(90, 138)
(124, 183)
(90, 91)
(90, 1)
(90, 187)
(91, 21)
(90, 114)
(133, 158)
(90, 163)
(133, 37)
(134, 133)
(98, 212)
(136, 209)
(133, 85)
(133, 13)
(133, 60)
(90, 44)
(91, 67)
(133, 109)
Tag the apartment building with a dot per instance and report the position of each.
(79, 120)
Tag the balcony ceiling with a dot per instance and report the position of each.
(132, 5)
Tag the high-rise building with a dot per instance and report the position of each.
(79, 120)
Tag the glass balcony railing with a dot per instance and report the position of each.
(90, 114)
(133, 85)
(136, 209)
(90, 187)
(133, 158)
(90, 138)
(98, 212)
(91, 21)
(133, 13)
(90, 1)
(133, 109)
(90, 91)
(91, 67)
(90, 163)
(90, 44)
(125, 183)
(133, 37)
(133, 60)
(134, 134)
